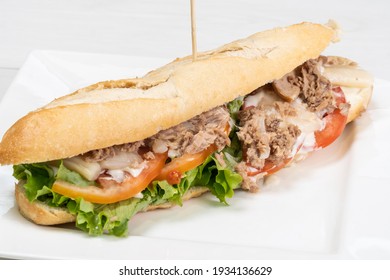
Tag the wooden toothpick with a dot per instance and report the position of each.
(193, 30)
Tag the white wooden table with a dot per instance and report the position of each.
(158, 28)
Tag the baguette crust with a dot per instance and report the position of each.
(38, 212)
(134, 109)
(359, 101)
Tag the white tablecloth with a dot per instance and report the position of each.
(157, 28)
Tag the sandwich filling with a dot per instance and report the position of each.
(232, 146)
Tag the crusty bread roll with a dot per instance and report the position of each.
(39, 212)
(139, 108)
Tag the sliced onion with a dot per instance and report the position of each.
(135, 171)
(173, 153)
(89, 170)
(122, 160)
(265, 153)
(139, 195)
(264, 95)
(261, 123)
(306, 121)
(348, 76)
(159, 146)
(116, 175)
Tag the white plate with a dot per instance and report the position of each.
(335, 204)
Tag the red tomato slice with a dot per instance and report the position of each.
(335, 123)
(117, 191)
(270, 168)
(173, 170)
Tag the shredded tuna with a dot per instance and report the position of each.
(307, 82)
(283, 137)
(248, 183)
(253, 136)
(196, 134)
(265, 135)
(316, 89)
(131, 147)
(102, 154)
(99, 155)
(220, 159)
(285, 109)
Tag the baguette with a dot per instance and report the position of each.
(139, 108)
(118, 112)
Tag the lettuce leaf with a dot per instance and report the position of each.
(235, 106)
(36, 176)
(221, 181)
(110, 218)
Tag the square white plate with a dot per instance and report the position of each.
(335, 204)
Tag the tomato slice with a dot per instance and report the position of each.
(173, 170)
(335, 123)
(117, 191)
(269, 167)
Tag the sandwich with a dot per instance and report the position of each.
(218, 124)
